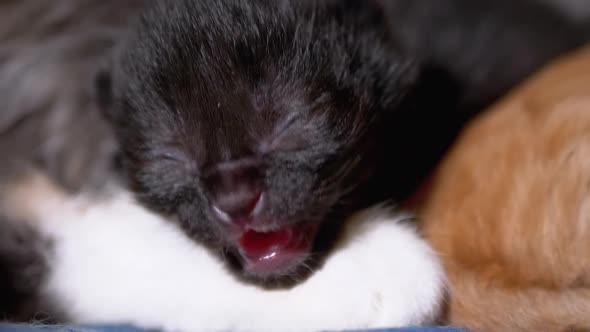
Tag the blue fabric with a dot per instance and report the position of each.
(418, 329)
(60, 328)
(109, 328)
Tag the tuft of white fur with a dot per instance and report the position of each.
(115, 262)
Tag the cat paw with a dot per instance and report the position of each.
(403, 277)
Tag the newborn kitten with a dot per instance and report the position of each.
(508, 210)
(112, 261)
(262, 125)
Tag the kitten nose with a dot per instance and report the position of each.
(236, 190)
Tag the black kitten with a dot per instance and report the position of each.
(260, 124)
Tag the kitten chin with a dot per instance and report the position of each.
(508, 209)
(113, 261)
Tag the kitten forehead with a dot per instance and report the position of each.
(245, 123)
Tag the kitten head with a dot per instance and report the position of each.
(257, 124)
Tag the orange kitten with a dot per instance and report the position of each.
(509, 209)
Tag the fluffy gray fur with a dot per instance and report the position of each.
(48, 57)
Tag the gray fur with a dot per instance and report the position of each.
(49, 53)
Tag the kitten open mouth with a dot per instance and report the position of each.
(275, 252)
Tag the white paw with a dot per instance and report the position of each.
(116, 262)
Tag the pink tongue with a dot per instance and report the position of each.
(258, 246)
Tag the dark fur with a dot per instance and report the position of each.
(224, 81)
(24, 254)
(578, 10)
(358, 105)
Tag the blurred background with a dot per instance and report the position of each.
(577, 9)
